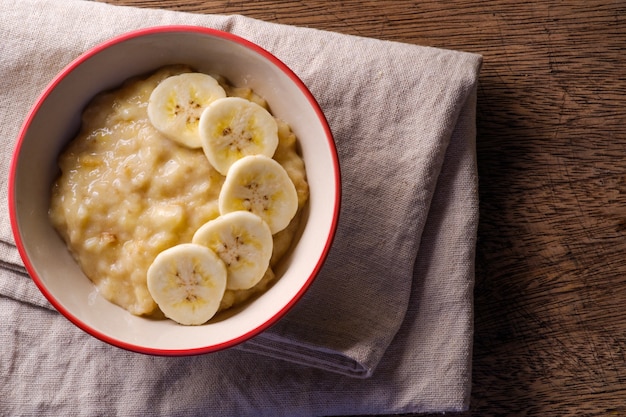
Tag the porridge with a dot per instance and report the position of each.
(127, 193)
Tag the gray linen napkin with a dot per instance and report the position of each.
(387, 326)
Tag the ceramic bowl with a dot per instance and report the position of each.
(55, 118)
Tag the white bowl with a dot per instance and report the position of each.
(54, 120)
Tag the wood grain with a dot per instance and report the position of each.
(550, 324)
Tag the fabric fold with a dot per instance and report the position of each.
(391, 311)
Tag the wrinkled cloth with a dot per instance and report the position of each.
(386, 327)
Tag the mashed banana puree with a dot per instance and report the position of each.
(126, 193)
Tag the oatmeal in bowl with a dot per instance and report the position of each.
(131, 187)
(186, 197)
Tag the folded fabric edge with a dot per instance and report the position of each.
(471, 105)
(308, 356)
(466, 157)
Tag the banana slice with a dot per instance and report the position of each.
(233, 127)
(260, 185)
(175, 105)
(243, 241)
(187, 282)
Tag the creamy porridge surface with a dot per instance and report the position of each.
(126, 193)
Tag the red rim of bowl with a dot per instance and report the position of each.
(68, 69)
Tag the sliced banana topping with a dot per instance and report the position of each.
(176, 104)
(233, 127)
(243, 241)
(187, 282)
(260, 185)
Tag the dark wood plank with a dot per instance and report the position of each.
(551, 267)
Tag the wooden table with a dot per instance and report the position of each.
(550, 324)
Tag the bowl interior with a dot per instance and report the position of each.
(55, 119)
